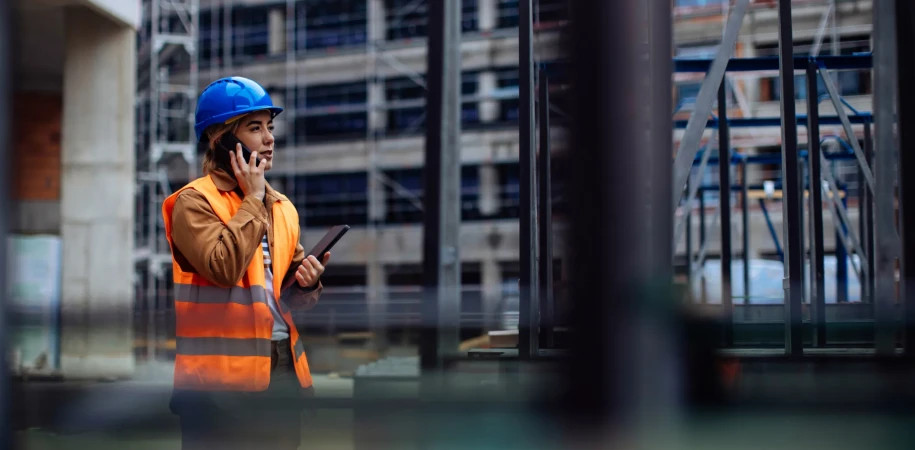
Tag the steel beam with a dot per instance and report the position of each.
(794, 246)
(689, 144)
(745, 227)
(724, 199)
(6, 144)
(846, 125)
(529, 308)
(624, 361)
(817, 282)
(545, 216)
(905, 59)
(884, 175)
(441, 184)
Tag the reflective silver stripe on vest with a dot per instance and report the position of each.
(223, 346)
(214, 294)
(299, 348)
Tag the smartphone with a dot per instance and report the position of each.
(323, 246)
(228, 143)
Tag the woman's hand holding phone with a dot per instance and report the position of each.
(250, 174)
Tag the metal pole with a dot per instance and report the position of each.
(529, 318)
(441, 183)
(688, 211)
(841, 261)
(817, 283)
(884, 176)
(905, 60)
(547, 307)
(745, 226)
(866, 211)
(6, 37)
(794, 247)
(623, 357)
(724, 198)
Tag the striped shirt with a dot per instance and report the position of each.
(266, 247)
(280, 330)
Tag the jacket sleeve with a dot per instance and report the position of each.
(217, 251)
(295, 296)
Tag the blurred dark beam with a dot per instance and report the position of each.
(441, 187)
(794, 245)
(620, 209)
(529, 307)
(6, 145)
(905, 51)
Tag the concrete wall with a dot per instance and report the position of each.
(97, 196)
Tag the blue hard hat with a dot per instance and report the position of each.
(229, 97)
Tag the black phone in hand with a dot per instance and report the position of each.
(228, 143)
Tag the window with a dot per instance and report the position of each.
(249, 32)
(331, 111)
(407, 19)
(407, 103)
(331, 199)
(330, 23)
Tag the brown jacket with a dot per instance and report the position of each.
(221, 252)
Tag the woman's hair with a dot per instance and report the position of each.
(210, 136)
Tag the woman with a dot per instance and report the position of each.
(240, 369)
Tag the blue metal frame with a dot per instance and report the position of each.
(861, 61)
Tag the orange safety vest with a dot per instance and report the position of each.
(223, 334)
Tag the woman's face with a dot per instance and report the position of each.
(255, 131)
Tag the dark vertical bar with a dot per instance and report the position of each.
(905, 21)
(441, 184)
(905, 61)
(867, 215)
(724, 198)
(817, 283)
(6, 37)
(841, 264)
(794, 246)
(613, 373)
(745, 226)
(701, 195)
(545, 214)
(529, 317)
(689, 238)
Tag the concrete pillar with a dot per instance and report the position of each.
(97, 193)
(276, 31)
(376, 21)
(377, 197)
(491, 278)
(378, 117)
(486, 85)
(487, 15)
(376, 279)
(488, 201)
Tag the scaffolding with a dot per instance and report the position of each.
(166, 156)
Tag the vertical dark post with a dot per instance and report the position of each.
(905, 60)
(529, 310)
(885, 251)
(6, 37)
(817, 283)
(866, 213)
(688, 211)
(701, 195)
(614, 373)
(841, 262)
(441, 184)
(794, 246)
(745, 226)
(545, 215)
(724, 198)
